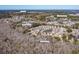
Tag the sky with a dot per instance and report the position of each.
(38, 7)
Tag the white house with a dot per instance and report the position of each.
(62, 16)
(25, 23)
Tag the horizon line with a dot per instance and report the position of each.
(39, 7)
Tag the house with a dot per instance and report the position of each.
(44, 41)
(26, 24)
(22, 11)
(62, 17)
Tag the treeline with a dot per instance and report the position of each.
(7, 15)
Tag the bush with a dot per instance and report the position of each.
(26, 30)
(57, 38)
(70, 36)
(69, 30)
(76, 42)
(75, 52)
(5, 15)
(64, 38)
(36, 24)
(76, 26)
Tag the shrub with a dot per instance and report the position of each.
(70, 36)
(76, 42)
(36, 24)
(69, 30)
(75, 52)
(57, 38)
(76, 26)
(64, 38)
(26, 30)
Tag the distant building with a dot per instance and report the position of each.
(22, 11)
(74, 14)
(62, 16)
(25, 23)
